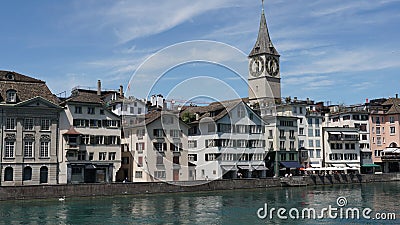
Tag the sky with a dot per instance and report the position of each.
(336, 51)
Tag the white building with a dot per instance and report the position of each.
(226, 139)
(341, 148)
(355, 117)
(89, 139)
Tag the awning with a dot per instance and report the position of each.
(291, 164)
(334, 132)
(245, 167)
(90, 166)
(370, 165)
(390, 150)
(353, 165)
(260, 168)
(339, 165)
(350, 133)
(229, 168)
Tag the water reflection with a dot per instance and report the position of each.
(229, 207)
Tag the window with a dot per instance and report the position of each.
(392, 130)
(301, 131)
(159, 174)
(90, 110)
(192, 157)
(310, 120)
(139, 111)
(111, 156)
(28, 149)
(175, 133)
(270, 133)
(294, 109)
(44, 149)
(158, 132)
(310, 132)
(391, 119)
(8, 174)
(291, 133)
(211, 157)
(301, 143)
(379, 141)
(291, 156)
(10, 124)
(317, 143)
(282, 133)
(28, 123)
(161, 147)
(282, 145)
(44, 173)
(138, 174)
(283, 157)
(175, 147)
(140, 161)
(292, 145)
(140, 146)
(160, 160)
(318, 151)
(241, 112)
(175, 160)
(102, 156)
(91, 155)
(101, 111)
(140, 133)
(310, 143)
(192, 144)
(78, 109)
(9, 149)
(27, 173)
(81, 155)
(317, 133)
(211, 127)
(45, 124)
(378, 130)
(11, 96)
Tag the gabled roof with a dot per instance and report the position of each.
(84, 96)
(394, 104)
(26, 87)
(38, 100)
(263, 44)
(72, 131)
(216, 110)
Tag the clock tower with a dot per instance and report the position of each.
(264, 71)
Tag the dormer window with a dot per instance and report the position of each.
(10, 76)
(11, 96)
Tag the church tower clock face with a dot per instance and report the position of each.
(272, 66)
(256, 66)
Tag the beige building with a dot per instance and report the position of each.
(29, 122)
(158, 148)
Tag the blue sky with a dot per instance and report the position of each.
(331, 50)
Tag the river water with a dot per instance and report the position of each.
(222, 207)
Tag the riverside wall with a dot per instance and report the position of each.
(88, 190)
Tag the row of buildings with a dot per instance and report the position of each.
(98, 136)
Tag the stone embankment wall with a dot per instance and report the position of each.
(87, 190)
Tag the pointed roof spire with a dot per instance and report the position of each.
(263, 44)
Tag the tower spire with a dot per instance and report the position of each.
(263, 44)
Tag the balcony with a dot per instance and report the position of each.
(72, 146)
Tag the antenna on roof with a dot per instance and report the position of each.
(262, 2)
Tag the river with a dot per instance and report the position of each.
(222, 207)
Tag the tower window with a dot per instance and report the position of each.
(11, 96)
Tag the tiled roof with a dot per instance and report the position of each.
(394, 104)
(84, 96)
(215, 110)
(26, 87)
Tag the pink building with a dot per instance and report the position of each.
(385, 133)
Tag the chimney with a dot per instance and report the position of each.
(397, 95)
(99, 87)
(121, 91)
